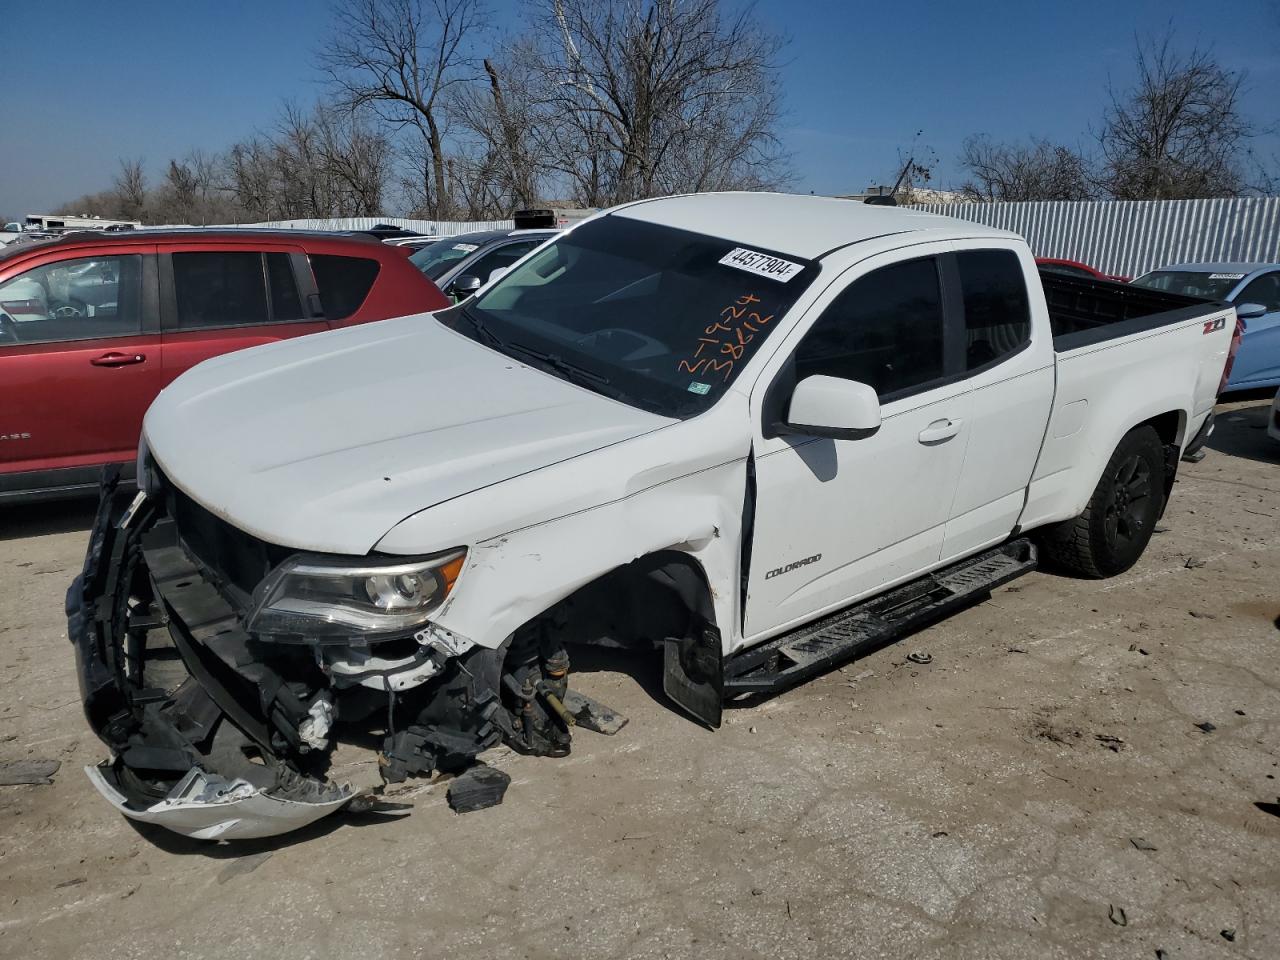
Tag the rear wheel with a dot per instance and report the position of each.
(1116, 525)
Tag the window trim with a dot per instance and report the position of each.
(148, 299)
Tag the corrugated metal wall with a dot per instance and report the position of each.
(442, 227)
(1130, 237)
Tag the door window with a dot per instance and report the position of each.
(1264, 290)
(884, 330)
(997, 317)
(343, 283)
(286, 305)
(81, 299)
(501, 259)
(219, 289)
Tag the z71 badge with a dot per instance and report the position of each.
(793, 566)
(1212, 326)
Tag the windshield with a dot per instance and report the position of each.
(1191, 283)
(435, 259)
(659, 318)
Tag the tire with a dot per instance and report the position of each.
(1116, 525)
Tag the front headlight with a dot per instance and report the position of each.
(312, 597)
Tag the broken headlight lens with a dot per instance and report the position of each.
(341, 598)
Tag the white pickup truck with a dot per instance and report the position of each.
(759, 433)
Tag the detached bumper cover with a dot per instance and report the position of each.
(209, 807)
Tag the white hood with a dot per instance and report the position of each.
(326, 442)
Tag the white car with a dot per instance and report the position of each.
(754, 433)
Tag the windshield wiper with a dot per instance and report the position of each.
(557, 362)
(480, 328)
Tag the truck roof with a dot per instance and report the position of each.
(804, 226)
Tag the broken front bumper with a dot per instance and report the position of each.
(219, 733)
(188, 755)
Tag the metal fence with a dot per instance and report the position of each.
(1130, 237)
(443, 228)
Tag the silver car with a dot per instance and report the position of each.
(461, 265)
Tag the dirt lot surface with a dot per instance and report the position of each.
(1040, 790)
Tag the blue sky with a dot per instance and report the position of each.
(88, 82)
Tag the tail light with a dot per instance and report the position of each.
(1231, 355)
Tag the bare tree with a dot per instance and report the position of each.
(1179, 132)
(1038, 170)
(651, 96)
(401, 58)
(131, 189)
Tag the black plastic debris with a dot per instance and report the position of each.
(592, 714)
(1194, 563)
(478, 788)
(919, 656)
(15, 772)
(1207, 727)
(1117, 915)
(1229, 934)
(1271, 808)
(1141, 844)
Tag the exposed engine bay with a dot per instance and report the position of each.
(219, 732)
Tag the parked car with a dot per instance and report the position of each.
(759, 433)
(1076, 268)
(94, 325)
(1254, 288)
(461, 265)
(1273, 425)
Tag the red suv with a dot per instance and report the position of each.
(93, 326)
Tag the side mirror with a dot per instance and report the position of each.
(1250, 311)
(466, 285)
(831, 407)
(496, 274)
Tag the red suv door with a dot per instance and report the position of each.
(216, 298)
(80, 357)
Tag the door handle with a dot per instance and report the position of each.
(114, 359)
(940, 431)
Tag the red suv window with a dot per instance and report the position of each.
(343, 283)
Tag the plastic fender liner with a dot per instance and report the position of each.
(693, 674)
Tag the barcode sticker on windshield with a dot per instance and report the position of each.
(1226, 276)
(761, 264)
(465, 247)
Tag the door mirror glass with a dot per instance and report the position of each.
(1250, 311)
(823, 406)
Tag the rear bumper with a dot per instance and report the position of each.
(188, 755)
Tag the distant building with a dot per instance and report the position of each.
(907, 194)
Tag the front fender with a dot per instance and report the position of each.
(510, 579)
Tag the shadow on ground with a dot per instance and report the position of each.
(1241, 431)
(41, 519)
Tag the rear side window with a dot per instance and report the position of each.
(884, 330)
(343, 282)
(997, 316)
(222, 289)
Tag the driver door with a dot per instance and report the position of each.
(79, 360)
(839, 519)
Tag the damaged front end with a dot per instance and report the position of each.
(215, 667)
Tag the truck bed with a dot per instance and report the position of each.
(1084, 311)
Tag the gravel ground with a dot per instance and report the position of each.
(1040, 790)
